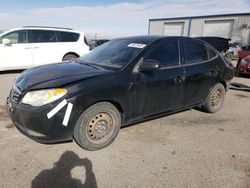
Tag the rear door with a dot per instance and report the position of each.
(17, 54)
(160, 90)
(201, 70)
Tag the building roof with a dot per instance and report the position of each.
(204, 16)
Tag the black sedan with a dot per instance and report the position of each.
(122, 82)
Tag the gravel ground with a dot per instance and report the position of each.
(188, 149)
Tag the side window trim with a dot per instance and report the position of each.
(196, 63)
(201, 62)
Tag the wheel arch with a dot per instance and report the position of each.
(116, 104)
(111, 101)
(73, 53)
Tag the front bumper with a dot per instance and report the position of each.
(34, 123)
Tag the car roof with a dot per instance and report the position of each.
(42, 28)
(146, 39)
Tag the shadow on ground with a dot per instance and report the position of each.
(60, 174)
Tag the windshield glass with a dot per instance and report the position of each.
(113, 55)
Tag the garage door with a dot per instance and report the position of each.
(174, 29)
(218, 28)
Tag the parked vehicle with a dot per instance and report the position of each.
(122, 82)
(235, 47)
(94, 43)
(244, 66)
(244, 52)
(33, 46)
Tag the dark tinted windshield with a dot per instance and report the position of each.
(114, 54)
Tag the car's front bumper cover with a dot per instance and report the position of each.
(34, 123)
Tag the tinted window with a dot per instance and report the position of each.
(67, 36)
(211, 52)
(43, 36)
(17, 37)
(166, 53)
(194, 51)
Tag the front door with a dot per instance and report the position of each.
(160, 90)
(18, 53)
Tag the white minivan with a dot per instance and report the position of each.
(32, 46)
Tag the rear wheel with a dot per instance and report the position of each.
(97, 126)
(70, 57)
(215, 99)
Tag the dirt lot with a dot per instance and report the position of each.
(188, 149)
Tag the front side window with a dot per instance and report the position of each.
(67, 36)
(194, 51)
(42, 36)
(16, 37)
(166, 53)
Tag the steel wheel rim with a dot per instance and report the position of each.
(216, 98)
(100, 128)
(70, 59)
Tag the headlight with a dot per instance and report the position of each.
(42, 97)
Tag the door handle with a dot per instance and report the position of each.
(27, 48)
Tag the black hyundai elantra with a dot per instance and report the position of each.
(122, 82)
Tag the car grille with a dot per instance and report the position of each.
(15, 94)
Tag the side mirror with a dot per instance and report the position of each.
(149, 65)
(6, 41)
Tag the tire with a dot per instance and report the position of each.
(97, 127)
(215, 99)
(70, 57)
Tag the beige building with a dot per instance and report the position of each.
(232, 26)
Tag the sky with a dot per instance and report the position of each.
(108, 17)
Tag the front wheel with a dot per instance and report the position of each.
(215, 99)
(97, 126)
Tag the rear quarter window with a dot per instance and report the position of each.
(194, 51)
(67, 36)
(211, 52)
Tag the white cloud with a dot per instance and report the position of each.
(119, 19)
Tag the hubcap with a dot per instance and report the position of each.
(100, 127)
(216, 98)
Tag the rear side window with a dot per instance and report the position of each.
(166, 53)
(43, 36)
(67, 36)
(194, 51)
(17, 37)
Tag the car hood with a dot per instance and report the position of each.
(56, 75)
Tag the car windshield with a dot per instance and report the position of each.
(113, 55)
